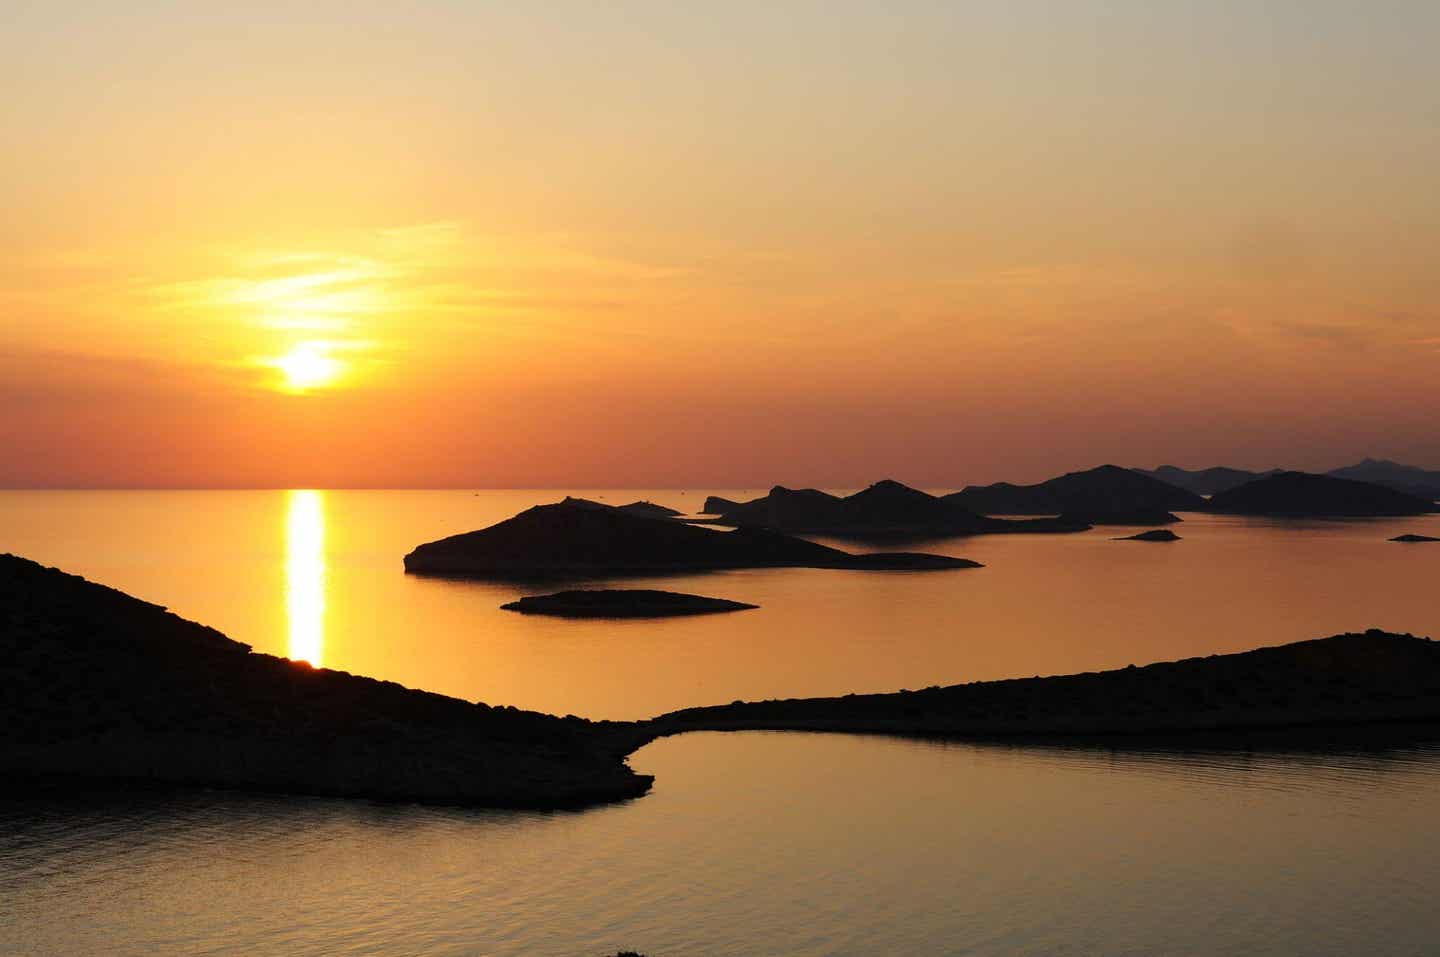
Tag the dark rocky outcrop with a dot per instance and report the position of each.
(1107, 490)
(566, 540)
(1154, 535)
(1411, 537)
(1209, 481)
(642, 508)
(1300, 494)
(622, 603)
(98, 686)
(885, 509)
(1422, 483)
(1351, 679)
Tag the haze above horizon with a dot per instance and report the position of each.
(664, 245)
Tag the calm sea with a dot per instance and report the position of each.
(751, 843)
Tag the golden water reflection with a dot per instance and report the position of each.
(305, 575)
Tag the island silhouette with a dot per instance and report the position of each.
(568, 539)
(622, 603)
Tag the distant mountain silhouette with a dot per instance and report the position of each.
(1105, 495)
(887, 508)
(1209, 481)
(622, 603)
(1402, 478)
(643, 509)
(569, 539)
(1303, 494)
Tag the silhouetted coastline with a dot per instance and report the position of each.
(101, 688)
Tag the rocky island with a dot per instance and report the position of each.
(1303, 495)
(622, 603)
(1154, 535)
(569, 540)
(1412, 537)
(1108, 495)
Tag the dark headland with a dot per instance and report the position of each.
(622, 603)
(1301, 494)
(563, 540)
(1154, 535)
(886, 509)
(1108, 495)
(99, 688)
(1412, 537)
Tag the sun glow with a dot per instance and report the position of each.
(305, 575)
(308, 366)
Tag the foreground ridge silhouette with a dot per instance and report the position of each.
(100, 688)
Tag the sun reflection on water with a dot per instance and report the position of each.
(305, 575)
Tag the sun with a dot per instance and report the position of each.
(308, 366)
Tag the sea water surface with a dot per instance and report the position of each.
(750, 843)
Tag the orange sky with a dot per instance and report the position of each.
(424, 244)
